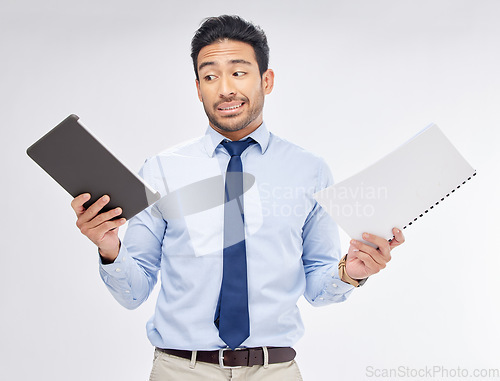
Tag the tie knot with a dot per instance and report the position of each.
(237, 148)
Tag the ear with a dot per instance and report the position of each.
(198, 90)
(268, 81)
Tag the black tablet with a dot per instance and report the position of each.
(80, 163)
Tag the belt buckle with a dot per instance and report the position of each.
(221, 358)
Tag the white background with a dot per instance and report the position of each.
(354, 79)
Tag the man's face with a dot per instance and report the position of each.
(231, 87)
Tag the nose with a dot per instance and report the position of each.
(226, 88)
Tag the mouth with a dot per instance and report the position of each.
(230, 108)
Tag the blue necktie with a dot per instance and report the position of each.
(231, 316)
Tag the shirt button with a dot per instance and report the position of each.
(127, 292)
(321, 298)
(334, 284)
(118, 270)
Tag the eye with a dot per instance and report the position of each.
(239, 74)
(209, 77)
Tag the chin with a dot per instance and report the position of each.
(234, 126)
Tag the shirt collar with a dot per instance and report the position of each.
(212, 139)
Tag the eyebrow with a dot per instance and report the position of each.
(233, 62)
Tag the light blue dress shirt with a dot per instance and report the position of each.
(292, 245)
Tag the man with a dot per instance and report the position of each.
(231, 274)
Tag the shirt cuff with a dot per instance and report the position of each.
(334, 289)
(117, 269)
(117, 277)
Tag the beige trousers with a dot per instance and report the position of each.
(172, 368)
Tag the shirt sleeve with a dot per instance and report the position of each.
(322, 253)
(133, 274)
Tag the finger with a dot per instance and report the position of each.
(381, 243)
(100, 231)
(398, 239)
(375, 254)
(93, 209)
(103, 217)
(78, 201)
(372, 265)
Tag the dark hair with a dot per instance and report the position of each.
(215, 29)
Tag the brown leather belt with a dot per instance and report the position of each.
(227, 358)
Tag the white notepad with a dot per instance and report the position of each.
(399, 188)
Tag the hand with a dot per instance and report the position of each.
(364, 260)
(98, 227)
